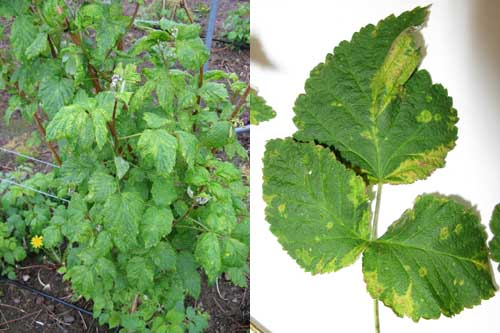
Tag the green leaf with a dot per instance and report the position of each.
(22, 35)
(100, 127)
(52, 236)
(39, 46)
(495, 228)
(122, 214)
(82, 279)
(175, 316)
(155, 121)
(181, 31)
(188, 272)
(432, 260)
(122, 167)
(156, 224)
(234, 253)
(67, 123)
(316, 207)
(238, 275)
(103, 243)
(140, 273)
(208, 254)
(166, 92)
(197, 176)
(163, 256)
(9, 8)
(213, 93)
(217, 135)
(188, 147)
(161, 147)
(259, 110)
(382, 114)
(55, 93)
(101, 186)
(163, 191)
(192, 53)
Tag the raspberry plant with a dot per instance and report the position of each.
(369, 116)
(143, 137)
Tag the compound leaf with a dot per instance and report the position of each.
(432, 260)
(259, 110)
(161, 147)
(316, 207)
(370, 102)
(495, 228)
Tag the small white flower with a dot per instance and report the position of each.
(201, 200)
(115, 79)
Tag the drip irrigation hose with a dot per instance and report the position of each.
(214, 4)
(37, 292)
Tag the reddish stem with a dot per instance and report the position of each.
(41, 129)
(241, 102)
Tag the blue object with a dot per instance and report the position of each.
(214, 4)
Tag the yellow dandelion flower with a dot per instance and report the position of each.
(37, 242)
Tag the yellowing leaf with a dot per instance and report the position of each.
(432, 260)
(161, 147)
(316, 207)
(370, 102)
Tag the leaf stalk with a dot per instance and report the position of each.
(373, 236)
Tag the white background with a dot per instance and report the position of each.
(463, 54)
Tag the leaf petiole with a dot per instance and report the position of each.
(373, 236)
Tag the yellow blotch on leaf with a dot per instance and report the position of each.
(422, 272)
(281, 208)
(424, 117)
(374, 286)
(404, 304)
(443, 233)
(458, 229)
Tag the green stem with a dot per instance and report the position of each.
(56, 256)
(373, 236)
(130, 136)
(377, 210)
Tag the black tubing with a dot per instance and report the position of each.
(37, 292)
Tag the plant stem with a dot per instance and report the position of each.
(377, 210)
(373, 236)
(41, 129)
(241, 102)
(130, 136)
(377, 320)
(186, 9)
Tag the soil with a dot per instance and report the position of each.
(21, 311)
